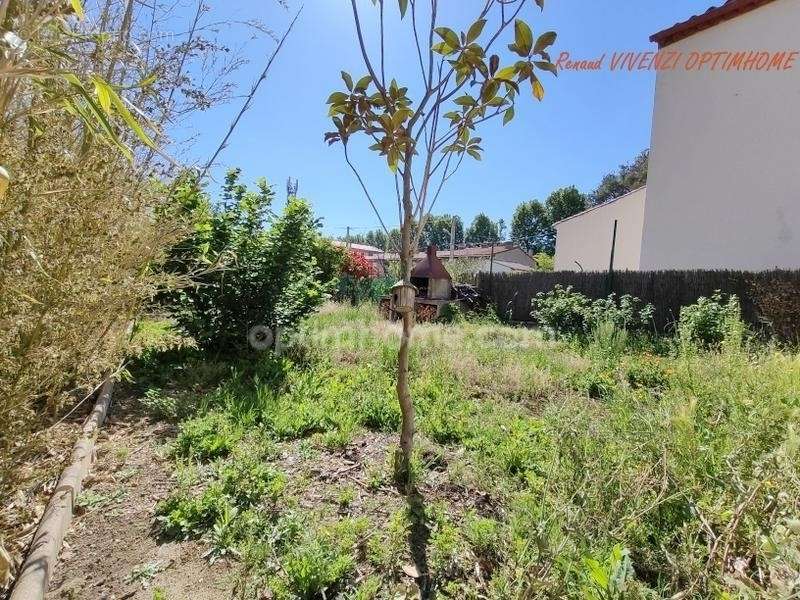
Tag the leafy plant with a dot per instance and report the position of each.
(711, 321)
(252, 267)
(568, 314)
(608, 580)
(207, 437)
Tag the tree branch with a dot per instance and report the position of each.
(250, 97)
(366, 192)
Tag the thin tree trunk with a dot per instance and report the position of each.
(403, 464)
(406, 404)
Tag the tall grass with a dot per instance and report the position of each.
(612, 472)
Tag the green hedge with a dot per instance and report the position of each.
(770, 300)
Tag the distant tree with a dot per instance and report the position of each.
(482, 230)
(437, 231)
(354, 238)
(628, 178)
(376, 238)
(564, 203)
(501, 229)
(530, 227)
(561, 204)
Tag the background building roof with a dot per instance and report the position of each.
(713, 16)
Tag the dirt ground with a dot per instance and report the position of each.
(111, 552)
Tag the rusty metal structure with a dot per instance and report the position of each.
(433, 289)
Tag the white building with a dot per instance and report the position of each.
(584, 241)
(723, 188)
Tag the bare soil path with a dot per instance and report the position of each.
(111, 551)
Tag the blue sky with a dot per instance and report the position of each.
(588, 123)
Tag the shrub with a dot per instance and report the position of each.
(79, 236)
(561, 311)
(544, 261)
(711, 321)
(252, 267)
(356, 265)
(567, 314)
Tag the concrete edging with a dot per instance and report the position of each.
(34, 576)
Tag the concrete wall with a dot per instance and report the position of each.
(586, 237)
(724, 182)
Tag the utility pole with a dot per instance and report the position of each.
(611, 261)
(452, 239)
(347, 237)
(491, 270)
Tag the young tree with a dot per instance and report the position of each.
(462, 85)
(482, 230)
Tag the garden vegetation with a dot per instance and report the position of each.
(605, 464)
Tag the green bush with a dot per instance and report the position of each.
(249, 266)
(567, 314)
(711, 321)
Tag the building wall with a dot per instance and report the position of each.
(724, 182)
(586, 237)
(515, 255)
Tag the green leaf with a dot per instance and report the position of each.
(474, 153)
(537, 88)
(348, 81)
(403, 7)
(523, 37)
(363, 83)
(540, 4)
(103, 92)
(547, 66)
(490, 90)
(443, 48)
(545, 40)
(93, 113)
(337, 98)
(508, 116)
(130, 121)
(449, 36)
(77, 6)
(506, 74)
(465, 100)
(475, 30)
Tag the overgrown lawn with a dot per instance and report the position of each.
(613, 469)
